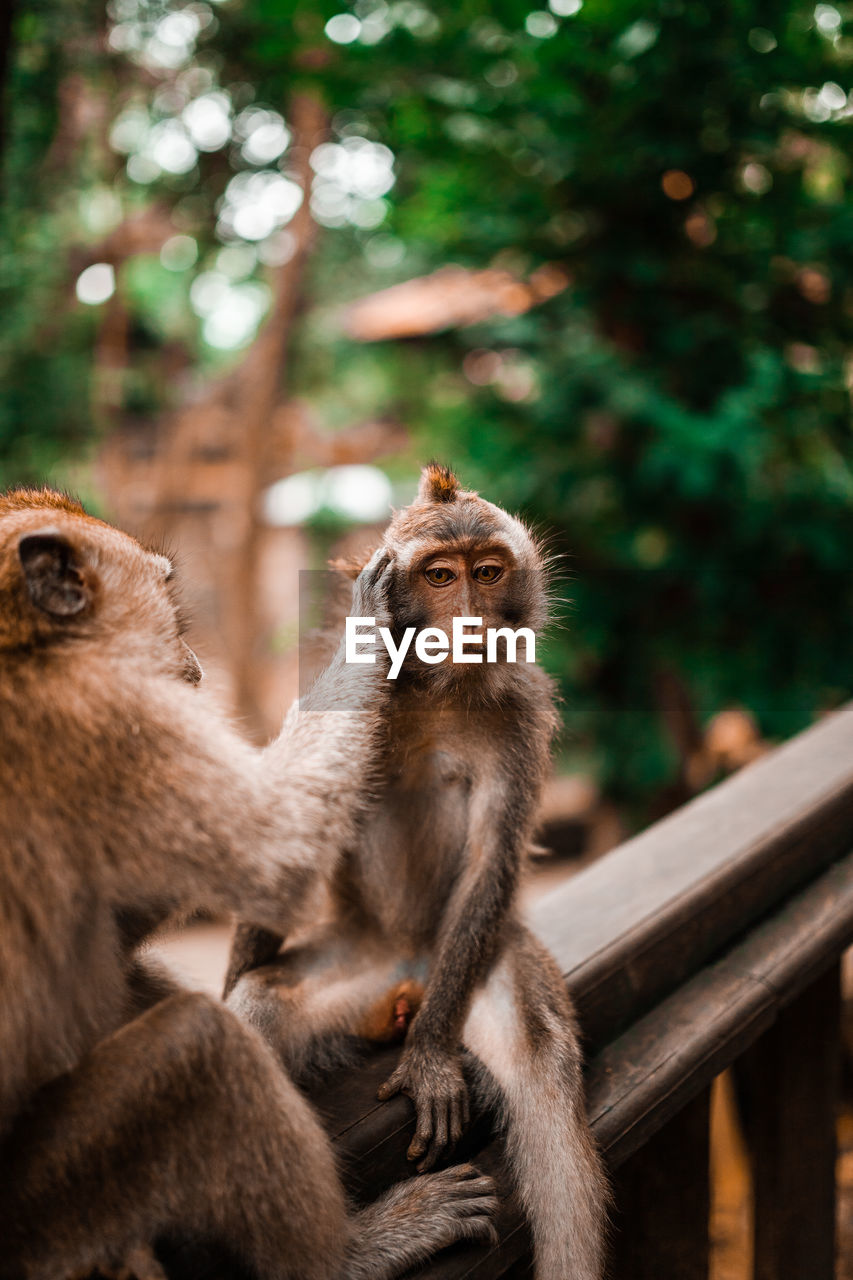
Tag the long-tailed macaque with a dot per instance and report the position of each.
(425, 937)
(130, 1111)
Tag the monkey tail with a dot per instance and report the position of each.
(562, 1186)
(557, 1172)
(528, 1070)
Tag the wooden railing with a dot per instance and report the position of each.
(713, 939)
(710, 941)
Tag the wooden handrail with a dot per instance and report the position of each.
(648, 1074)
(649, 914)
(708, 940)
(680, 948)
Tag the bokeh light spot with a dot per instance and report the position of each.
(700, 229)
(96, 284)
(142, 169)
(208, 121)
(677, 184)
(266, 142)
(343, 28)
(541, 24)
(756, 178)
(359, 492)
(277, 249)
(827, 18)
(170, 147)
(237, 261)
(761, 40)
(637, 38)
(179, 253)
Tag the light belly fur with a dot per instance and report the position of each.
(413, 849)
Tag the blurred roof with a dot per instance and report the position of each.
(449, 298)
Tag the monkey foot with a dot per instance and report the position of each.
(389, 1018)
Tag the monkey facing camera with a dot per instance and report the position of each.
(425, 941)
(131, 1111)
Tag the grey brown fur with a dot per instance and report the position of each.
(424, 923)
(130, 1110)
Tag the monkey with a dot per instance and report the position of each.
(131, 1111)
(424, 940)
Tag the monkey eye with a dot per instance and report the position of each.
(439, 575)
(488, 572)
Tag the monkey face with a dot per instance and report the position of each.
(461, 578)
(460, 556)
(66, 577)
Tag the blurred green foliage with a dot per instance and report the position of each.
(677, 420)
(45, 344)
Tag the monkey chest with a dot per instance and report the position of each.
(414, 845)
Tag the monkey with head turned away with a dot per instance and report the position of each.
(425, 937)
(130, 1111)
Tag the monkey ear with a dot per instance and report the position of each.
(52, 574)
(438, 484)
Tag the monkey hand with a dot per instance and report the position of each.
(370, 589)
(360, 685)
(432, 1078)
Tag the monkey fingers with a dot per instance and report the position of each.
(370, 589)
(434, 1082)
(375, 567)
(418, 1217)
(393, 1085)
(440, 1125)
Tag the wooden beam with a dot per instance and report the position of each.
(648, 915)
(662, 1198)
(652, 1072)
(790, 1097)
(681, 948)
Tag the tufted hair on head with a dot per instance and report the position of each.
(438, 484)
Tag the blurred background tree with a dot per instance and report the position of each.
(628, 244)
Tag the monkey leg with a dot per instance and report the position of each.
(521, 1028)
(181, 1123)
(305, 1003)
(338, 985)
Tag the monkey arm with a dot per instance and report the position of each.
(241, 830)
(334, 730)
(500, 817)
(234, 830)
(325, 757)
(329, 742)
(470, 936)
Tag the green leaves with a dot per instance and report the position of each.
(679, 416)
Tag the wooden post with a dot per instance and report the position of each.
(662, 1202)
(789, 1090)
